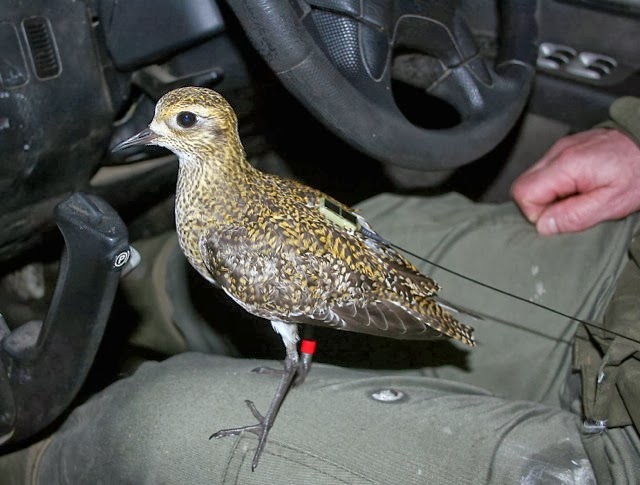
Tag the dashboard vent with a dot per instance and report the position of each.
(42, 47)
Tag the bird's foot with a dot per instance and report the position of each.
(268, 371)
(301, 374)
(260, 429)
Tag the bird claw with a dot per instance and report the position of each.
(254, 410)
(301, 373)
(261, 430)
(268, 371)
(292, 366)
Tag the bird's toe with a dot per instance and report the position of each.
(268, 371)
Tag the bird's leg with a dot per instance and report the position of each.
(307, 349)
(261, 429)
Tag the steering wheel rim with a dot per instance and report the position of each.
(335, 55)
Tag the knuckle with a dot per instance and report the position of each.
(572, 153)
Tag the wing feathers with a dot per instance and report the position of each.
(300, 269)
(389, 319)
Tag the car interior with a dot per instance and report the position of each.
(353, 98)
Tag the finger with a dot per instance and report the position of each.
(535, 191)
(578, 212)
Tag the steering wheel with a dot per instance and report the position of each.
(335, 56)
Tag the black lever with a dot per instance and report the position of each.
(43, 365)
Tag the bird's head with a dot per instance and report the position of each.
(194, 123)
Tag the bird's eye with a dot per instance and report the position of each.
(186, 119)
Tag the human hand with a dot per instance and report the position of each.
(583, 179)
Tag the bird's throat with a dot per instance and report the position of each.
(213, 178)
(205, 192)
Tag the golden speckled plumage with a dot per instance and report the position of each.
(268, 243)
(264, 241)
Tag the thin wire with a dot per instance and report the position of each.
(374, 235)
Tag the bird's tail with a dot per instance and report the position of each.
(457, 308)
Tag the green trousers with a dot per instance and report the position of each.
(505, 412)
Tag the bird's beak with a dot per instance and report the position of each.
(145, 137)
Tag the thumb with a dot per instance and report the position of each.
(574, 213)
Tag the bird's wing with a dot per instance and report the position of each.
(296, 266)
(389, 319)
(402, 265)
(274, 282)
(419, 314)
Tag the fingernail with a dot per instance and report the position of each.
(547, 226)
